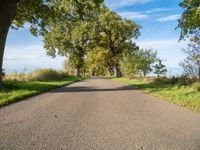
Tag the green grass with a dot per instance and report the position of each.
(182, 95)
(17, 90)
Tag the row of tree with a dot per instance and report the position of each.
(103, 33)
(89, 34)
(102, 45)
(133, 62)
(44, 17)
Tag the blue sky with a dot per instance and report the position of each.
(158, 19)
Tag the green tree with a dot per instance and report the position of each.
(72, 37)
(115, 34)
(137, 61)
(17, 12)
(76, 61)
(129, 64)
(98, 61)
(147, 59)
(40, 13)
(159, 68)
(190, 20)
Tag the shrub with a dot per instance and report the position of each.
(185, 80)
(18, 77)
(45, 75)
(38, 75)
(196, 86)
(63, 74)
(8, 84)
(173, 80)
(161, 80)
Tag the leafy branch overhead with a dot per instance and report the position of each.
(190, 19)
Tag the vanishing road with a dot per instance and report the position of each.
(98, 114)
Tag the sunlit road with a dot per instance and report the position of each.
(98, 114)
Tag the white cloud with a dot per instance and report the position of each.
(158, 43)
(133, 15)
(31, 57)
(169, 18)
(122, 3)
(157, 10)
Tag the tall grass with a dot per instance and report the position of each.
(38, 75)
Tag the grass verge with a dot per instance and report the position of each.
(17, 90)
(182, 95)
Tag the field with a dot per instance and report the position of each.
(187, 96)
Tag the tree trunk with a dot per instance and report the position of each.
(144, 74)
(78, 71)
(118, 72)
(7, 13)
(110, 70)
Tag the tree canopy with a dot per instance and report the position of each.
(42, 16)
(93, 38)
(100, 29)
(190, 19)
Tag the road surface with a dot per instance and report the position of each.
(98, 114)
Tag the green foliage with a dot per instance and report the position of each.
(185, 80)
(182, 80)
(97, 61)
(99, 29)
(147, 58)
(130, 63)
(41, 13)
(159, 68)
(190, 20)
(36, 12)
(115, 34)
(196, 86)
(70, 35)
(137, 61)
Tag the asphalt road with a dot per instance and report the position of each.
(98, 114)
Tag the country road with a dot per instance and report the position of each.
(98, 114)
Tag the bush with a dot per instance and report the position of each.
(63, 74)
(38, 75)
(183, 80)
(10, 85)
(165, 80)
(46, 75)
(161, 80)
(196, 86)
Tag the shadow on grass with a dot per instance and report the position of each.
(152, 87)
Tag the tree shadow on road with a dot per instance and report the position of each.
(92, 89)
